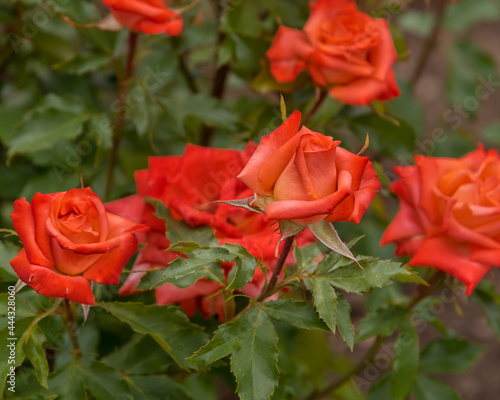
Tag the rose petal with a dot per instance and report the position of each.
(266, 149)
(451, 257)
(50, 283)
(108, 267)
(300, 209)
(23, 220)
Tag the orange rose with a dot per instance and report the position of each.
(188, 185)
(305, 177)
(69, 239)
(449, 214)
(148, 16)
(343, 49)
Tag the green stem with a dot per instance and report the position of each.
(267, 291)
(71, 329)
(316, 106)
(423, 291)
(430, 43)
(123, 86)
(219, 82)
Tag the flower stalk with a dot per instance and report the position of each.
(269, 289)
(70, 325)
(123, 86)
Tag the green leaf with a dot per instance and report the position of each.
(7, 252)
(462, 16)
(42, 130)
(198, 260)
(489, 301)
(381, 390)
(10, 117)
(382, 322)
(138, 357)
(67, 382)
(427, 388)
(36, 353)
(244, 268)
(326, 233)
(247, 51)
(251, 340)
(385, 137)
(305, 256)
(105, 382)
(344, 322)
(156, 387)
(405, 361)
(375, 273)
(417, 22)
(243, 17)
(294, 312)
(408, 275)
(207, 110)
(472, 77)
(255, 362)
(12, 356)
(325, 301)
(82, 63)
(166, 324)
(201, 259)
(449, 355)
(226, 340)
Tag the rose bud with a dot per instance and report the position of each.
(147, 16)
(303, 176)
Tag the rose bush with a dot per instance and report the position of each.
(303, 176)
(188, 185)
(69, 240)
(149, 16)
(343, 49)
(449, 214)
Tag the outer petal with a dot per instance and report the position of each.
(303, 209)
(451, 257)
(359, 92)
(266, 150)
(24, 223)
(50, 283)
(384, 55)
(108, 267)
(288, 54)
(405, 226)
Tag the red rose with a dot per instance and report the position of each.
(187, 185)
(343, 49)
(449, 214)
(305, 177)
(69, 239)
(148, 16)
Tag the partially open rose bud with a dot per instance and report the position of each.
(305, 177)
